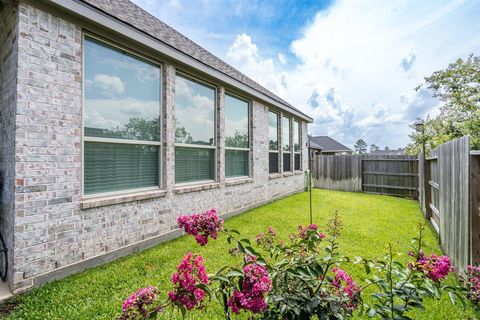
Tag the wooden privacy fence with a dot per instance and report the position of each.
(392, 175)
(449, 186)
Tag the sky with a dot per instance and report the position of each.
(351, 65)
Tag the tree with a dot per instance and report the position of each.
(374, 147)
(360, 146)
(458, 87)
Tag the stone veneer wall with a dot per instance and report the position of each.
(58, 233)
(8, 83)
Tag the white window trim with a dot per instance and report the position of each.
(299, 152)
(249, 149)
(201, 146)
(85, 138)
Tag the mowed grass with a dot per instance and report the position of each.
(370, 223)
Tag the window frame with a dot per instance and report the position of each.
(299, 152)
(290, 145)
(215, 147)
(85, 139)
(279, 144)
(249, 149)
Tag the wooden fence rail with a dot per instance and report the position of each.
(391, 175)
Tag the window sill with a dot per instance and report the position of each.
(274, 176)
(288, 174)
(121, 198)
(196, 188)
(238, 181)
(298, 172)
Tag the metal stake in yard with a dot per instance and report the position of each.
(310, 178)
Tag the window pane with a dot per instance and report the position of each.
(286, 134)
(236, 163)
(236, 122)
(195, 112)
(115, 166)
(272, 162)
(273, 131)
(286, 162)
(122, 94)
(194, 164)
(297, 161)
(296, 136)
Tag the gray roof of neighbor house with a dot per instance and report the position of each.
(327, 144)
(131, 14)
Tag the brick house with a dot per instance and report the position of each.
(112, 124)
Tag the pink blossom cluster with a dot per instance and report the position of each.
(266, 239)
(304, 232)
(435, 267)
(190, 274)
(344, 283)
(256, 284)
(140, 303)
(202, 225)
(472, 283)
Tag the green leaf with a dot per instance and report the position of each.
(250, 251)
(234, 273)
(240, 247)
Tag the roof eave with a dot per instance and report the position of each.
(101, 18)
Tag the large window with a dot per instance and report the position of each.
(273, 146)
(121, 120)
(237, 146)
(286, 144)
(195, 130)
(297, 143)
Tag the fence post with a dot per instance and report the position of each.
(427, 176)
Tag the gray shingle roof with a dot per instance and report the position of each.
(130, 13)
(328, 144)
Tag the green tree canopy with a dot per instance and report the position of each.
(360, 146)
(458, 87)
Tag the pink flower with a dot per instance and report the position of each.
(344, 284)
(472, 283)
(305, 232)
(140, 303)
(202, 225)
(435, 268)
(256, 284)
(190, 274)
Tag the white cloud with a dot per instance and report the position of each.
(109, 84)
(113, 113)
(281, 58)
(359, 61)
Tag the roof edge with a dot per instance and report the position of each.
(99, 17)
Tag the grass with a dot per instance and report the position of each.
(370, 222)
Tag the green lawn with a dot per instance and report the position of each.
(370, 223)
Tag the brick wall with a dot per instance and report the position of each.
(55, 233)
(8, 81)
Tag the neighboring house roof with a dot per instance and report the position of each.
(128, 12)
(388, 152)
(328, 144)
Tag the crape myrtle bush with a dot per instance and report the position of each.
(301, 277)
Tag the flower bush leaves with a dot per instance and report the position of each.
(299, 278)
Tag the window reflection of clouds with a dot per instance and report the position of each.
(122, 94)
(296, 136)
(236, 122)
(273, 130)
(286, 134)
(195, 111)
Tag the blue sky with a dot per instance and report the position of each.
(352, 65)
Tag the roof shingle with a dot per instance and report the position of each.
(328, 144)
(128, 12)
